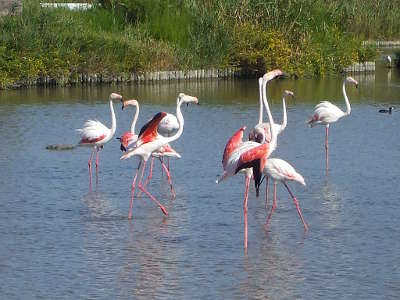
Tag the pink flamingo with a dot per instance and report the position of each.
(94, 134)
(281, 171)
(130, 137)
(150, 141)
(326, 113)
(168, 126)
(249, 157)
(261, 132)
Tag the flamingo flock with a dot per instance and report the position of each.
(251, 158)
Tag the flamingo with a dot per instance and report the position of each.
(130, 137)
(281, 171)
(150, 141)
(326, 113)
(249, 157)
(261, 132)
(167, 127)
(95, 134)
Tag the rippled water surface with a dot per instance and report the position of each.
(61, 240)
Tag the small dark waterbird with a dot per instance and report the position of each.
(387, 111)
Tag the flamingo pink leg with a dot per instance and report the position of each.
(97, 165)
(296, 202)
(169, 179)
(246, 194)
(274, 204)
(142, 188)
(326, 147)
(90, 166)
(132, 195)
(148, 177)
(266, 191)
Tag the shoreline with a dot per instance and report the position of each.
(158, 76)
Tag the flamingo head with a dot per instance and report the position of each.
(288, 93)
(115, 97)
(272, 74)
(126, 103)
(187, 99)
(352, 81)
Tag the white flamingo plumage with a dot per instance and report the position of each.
(150, 141)
(95, 134)
(281, 171)
(326, 113)
(249, 157)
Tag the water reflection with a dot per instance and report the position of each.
(62, 241)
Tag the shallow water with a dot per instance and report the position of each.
(61, 240)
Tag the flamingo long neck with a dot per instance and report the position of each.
(261, 107)
(135, 119)
(180, 122)
(113, 120)
(346, 99)
(284, 120)
(273, 142)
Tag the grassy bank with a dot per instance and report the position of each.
(306, 38)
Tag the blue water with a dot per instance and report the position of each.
(62, 240)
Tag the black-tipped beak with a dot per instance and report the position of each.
(118, 138)
(123, 149)
(122, 107)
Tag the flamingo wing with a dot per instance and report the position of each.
(232, 144)
(325, 113)
(127, 139)
(149, 131)
(93, 132)
(255, 158)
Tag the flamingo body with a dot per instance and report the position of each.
(168, 125)
(281, 171)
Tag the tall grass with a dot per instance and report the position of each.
(305, 37)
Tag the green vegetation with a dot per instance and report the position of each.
(306, 38)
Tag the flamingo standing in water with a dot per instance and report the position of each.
(281, 171)
(130, 137)
(249, 157)
(326, 113)
(150, 141)
(261, 132)
(95, 134)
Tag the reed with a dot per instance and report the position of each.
(305, 37)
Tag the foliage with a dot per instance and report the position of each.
(303, 37)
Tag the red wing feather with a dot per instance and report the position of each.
(126, 138)
(149, 131)
(92, 141)
(232, 144)
(258, 152)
